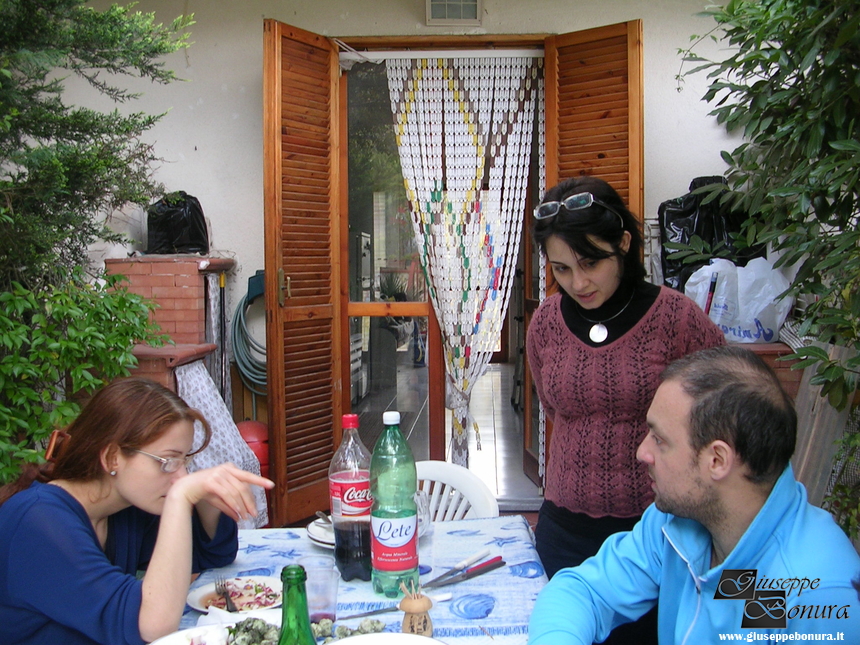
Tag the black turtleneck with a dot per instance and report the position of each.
(643, 296)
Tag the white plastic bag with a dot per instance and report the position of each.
(724, 300)
(744, 303)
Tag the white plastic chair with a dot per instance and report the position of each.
(455, 492)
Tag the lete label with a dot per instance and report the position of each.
(394, 542)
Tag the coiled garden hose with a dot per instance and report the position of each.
(250, 355)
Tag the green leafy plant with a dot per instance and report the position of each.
(391, 285)
(69, 339)
(698, 250)
(842, 500)
(790, 85)
(63, 170)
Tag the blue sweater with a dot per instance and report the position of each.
(57, 586)
(668, 558)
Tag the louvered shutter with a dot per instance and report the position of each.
(594, 108)
(302, 265)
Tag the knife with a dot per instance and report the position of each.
(440, 598)
(472, 559)
(477, 570)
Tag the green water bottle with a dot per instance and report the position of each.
(295, 620)
(393, 516)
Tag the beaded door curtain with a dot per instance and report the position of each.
(464, 135)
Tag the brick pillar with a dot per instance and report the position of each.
(176, 284)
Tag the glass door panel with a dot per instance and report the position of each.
(383, 257)
(388, 361)
(388, 371)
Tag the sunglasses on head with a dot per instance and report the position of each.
(576, 202)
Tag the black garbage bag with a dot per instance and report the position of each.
(176, 225)
(683, 217)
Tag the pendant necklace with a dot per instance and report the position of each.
(598, 332)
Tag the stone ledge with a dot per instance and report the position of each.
(205, 263)
(175, 355)
(158, 363)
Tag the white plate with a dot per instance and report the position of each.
(389, 638)
(211, 635)
(322, 533)
(217, 635)
(197, 597)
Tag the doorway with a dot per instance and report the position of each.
(390, 370)
(593, 126)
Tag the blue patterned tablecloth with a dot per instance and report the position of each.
(493, 608)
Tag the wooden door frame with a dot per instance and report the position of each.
(345, 309)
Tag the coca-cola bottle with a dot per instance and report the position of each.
(394, 518)
(349, 490)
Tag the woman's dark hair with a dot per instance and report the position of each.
(126, 415)
(575, 227)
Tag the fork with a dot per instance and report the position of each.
(221, 590)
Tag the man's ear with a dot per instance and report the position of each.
(719, 459)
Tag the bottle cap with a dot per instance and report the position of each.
(350, 421)
(391, 418)
(293, 573)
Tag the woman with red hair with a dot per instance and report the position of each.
(99, 544)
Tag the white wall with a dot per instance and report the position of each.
(211, 138)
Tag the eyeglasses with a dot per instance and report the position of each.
(576, 202)
(169, 464)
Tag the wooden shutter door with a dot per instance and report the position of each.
(594, 108)
(593, 126)
(300, 145)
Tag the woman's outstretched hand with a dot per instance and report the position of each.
(224, 487)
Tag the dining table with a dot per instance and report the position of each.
(492, 608)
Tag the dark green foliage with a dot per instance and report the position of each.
(66, 339)
(791, 86)
(63, 170)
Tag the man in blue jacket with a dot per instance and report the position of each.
(731, 548)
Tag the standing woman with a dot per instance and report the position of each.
(116, 501)
(596, 350)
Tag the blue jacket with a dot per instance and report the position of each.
(57, 586)
(668, 558)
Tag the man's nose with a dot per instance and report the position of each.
(642, 452)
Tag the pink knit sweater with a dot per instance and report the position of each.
(597, 398)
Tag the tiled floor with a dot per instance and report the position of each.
(498, 463)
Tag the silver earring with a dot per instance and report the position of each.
(113, 473)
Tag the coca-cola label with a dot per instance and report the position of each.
(394, 542)
(350, 495)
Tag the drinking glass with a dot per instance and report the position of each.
(425, 523)
(321, 586)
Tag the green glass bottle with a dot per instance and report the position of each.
(295, 620)
(393, 516)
